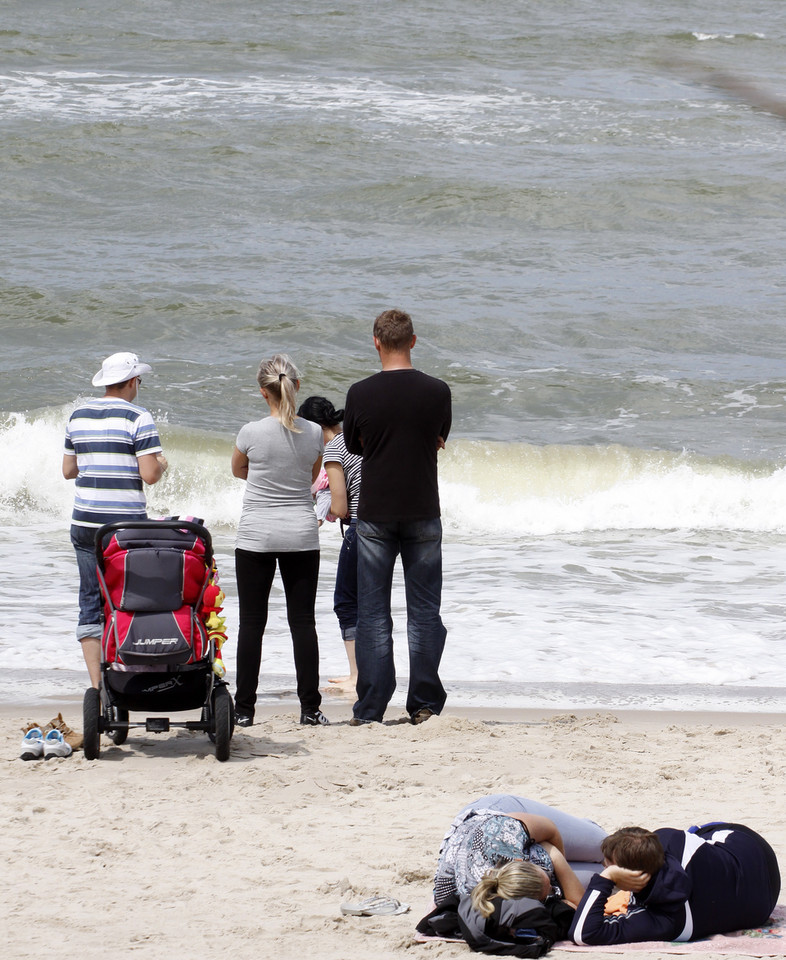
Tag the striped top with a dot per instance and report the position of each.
(107, 435)
(336, 452)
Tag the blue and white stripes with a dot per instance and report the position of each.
(107, 435)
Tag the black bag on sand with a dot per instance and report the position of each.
(517, 928)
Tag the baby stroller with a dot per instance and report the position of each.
(158, 653)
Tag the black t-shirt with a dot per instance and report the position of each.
(394, 419)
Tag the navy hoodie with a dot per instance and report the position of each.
(714, 879)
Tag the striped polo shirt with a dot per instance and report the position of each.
(107, 435)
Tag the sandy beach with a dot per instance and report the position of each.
(156, 849)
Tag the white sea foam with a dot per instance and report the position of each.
(518, 490)
(381, 108)
(563, 566)
(702, 37)
(95, 96)
(508, 490)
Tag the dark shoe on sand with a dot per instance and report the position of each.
(420, 716)
(243, 720)
(314, 718)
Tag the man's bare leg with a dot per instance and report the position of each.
(91, 651)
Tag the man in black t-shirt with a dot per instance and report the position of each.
(398, 419)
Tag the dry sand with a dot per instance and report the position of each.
(157, 850)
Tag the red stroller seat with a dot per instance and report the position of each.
(153, 580)
(157, 651)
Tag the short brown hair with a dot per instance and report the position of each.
(393, 329)
(635, 849)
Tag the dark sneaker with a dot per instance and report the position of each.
(243, 720)
(314, 718)
(422, 715)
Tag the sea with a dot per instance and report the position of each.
(583, 211)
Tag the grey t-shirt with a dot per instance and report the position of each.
(278, 510)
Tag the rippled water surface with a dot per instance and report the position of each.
(587, 230)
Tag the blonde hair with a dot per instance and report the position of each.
(512, 880)
(280, 377)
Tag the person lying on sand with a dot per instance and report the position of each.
(504, 878)
(500, 828)
(684, 885)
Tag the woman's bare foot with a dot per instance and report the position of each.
(344, 684)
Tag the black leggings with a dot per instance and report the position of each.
(299, 573)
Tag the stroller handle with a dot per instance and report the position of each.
(170, 524)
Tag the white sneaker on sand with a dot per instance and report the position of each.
(32, 744)
(55, 745)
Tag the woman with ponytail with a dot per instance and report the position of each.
(279, 457)
(554, 853)
(511, 881)
(511, 910)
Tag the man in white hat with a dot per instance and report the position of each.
(111, 446)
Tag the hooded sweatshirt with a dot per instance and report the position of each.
(519, 928)
(714, 879)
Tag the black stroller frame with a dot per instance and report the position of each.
(150, 672)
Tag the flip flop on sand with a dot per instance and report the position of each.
(374, 907)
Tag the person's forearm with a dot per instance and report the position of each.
(70, 466)
(540, 829)
(572, 888)
(152, 467)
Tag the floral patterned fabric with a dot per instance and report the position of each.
(478, 841)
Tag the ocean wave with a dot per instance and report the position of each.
(514, 490)
(703, 37)
(510, 490)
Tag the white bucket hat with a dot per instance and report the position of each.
(118, 368)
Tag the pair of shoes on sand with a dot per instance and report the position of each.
(308, 718)
(375, 907)
(72, 738)
(35, 745)
(419, 716)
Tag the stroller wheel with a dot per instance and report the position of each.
(91, 716)
(119, 736)
(222, 722)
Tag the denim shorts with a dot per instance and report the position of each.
(91, 607)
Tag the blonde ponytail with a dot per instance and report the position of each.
(512, 880)
(280, 377)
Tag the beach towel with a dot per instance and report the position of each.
(766, 941)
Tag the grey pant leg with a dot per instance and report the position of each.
(582, 837)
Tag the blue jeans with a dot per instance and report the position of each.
(420, 545)
(345, 595)
(91, 605)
